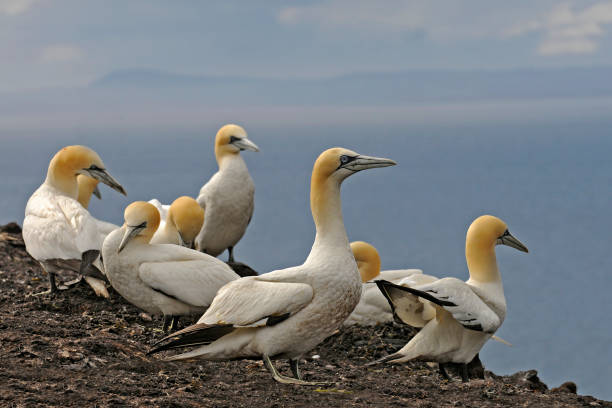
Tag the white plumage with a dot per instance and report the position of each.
(228, 197)
(467, 313)
(160, 278)
(56, 226)
(285, 313)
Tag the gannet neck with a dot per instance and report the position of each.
(326, 210)
(85, 186)
(227, 159)
(482, 263)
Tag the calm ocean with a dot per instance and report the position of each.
(551, 182)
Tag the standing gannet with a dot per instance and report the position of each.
(160, 278)
(228, 197)
(467, 313)
(57, 229)
(373, 308)
(86, 187)
(182, 223)
(286, 313)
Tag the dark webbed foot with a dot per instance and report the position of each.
(443, 373)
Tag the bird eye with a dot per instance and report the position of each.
(233, 139)
(344, 159)
(94, 168)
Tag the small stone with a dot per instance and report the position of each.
(145, 316)
(316, 357)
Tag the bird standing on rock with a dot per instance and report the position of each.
(228, 197)
(467, 313)
(57, 229)
(285, 313)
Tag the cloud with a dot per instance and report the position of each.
(61, 53)
(567, 30)
(15, 7)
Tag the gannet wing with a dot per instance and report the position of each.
(193, 281)
(453, 295)
(255, 302)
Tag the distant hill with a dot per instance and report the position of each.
(367, 88)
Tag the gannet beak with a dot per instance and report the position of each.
(509, 240)
(103, 176)
(186, 244)
(96, 192)
(245, 144)
(361, 162)
(130, 232)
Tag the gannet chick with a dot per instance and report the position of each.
(56, 226)
(160, 278)
(286, 313)
(467, 313)
(373, 307)
(182, 224)
(86, 187)
(228, 197)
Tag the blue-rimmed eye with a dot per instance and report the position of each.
(344, 159)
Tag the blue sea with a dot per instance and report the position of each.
(550, 180)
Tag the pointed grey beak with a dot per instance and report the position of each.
(96, 192)
(130, 232)
(182, 242)
(509, 240)
(245, 144)
(103, 176)
(367, 162)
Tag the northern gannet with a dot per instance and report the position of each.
(160, 278)
(467, 313)
(86, 187)
(57, 229)
(182, 223)
(373, 308)
(228, 197)
(285, 313)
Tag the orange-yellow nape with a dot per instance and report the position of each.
(367, 258)
(140, 212)
(187, 216)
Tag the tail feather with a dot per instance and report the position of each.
(195, 335)
(385, 359)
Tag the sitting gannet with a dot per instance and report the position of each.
(467, 313)
(57, 229)
(86, 187)
(182, 223)
(227, 198)
(373, 308)
(160, 278)
(285, 313)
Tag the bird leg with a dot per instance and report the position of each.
(464, 373)
(443, 372)
(283, 379)
(295, 368)
(52, 286)
(167, 321)
(231, 254)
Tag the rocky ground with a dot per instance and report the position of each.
(74, 349)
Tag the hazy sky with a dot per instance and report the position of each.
(71, 42)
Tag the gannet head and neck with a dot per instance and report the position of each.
(71, 161)
(483, 235)
(185, 218)
(141, 222)
(368, 260)
(86, 187)
(330, 169)
(230, 141)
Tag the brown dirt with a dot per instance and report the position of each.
(74, 349)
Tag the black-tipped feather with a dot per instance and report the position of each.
(383, 284)
(195, 335)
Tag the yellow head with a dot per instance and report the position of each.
(483, 235)
(188, 217)
(71, 161)
(86, 187)
(331, 168)
(368, 260)
(141, 222)
(230, 140)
